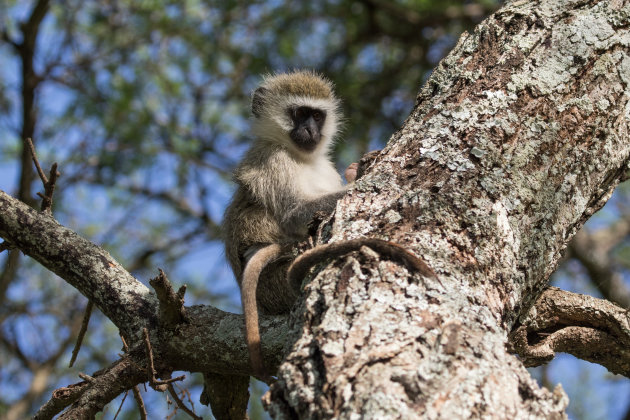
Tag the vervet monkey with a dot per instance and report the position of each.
(284, 178)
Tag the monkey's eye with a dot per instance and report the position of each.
(299, 114)
(318, 115)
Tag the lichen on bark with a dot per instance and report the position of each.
(520, 134)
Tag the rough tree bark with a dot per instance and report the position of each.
(519, 136)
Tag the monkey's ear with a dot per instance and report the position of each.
(258, 101)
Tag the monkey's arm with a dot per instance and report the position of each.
(294, 223)
(303, 213)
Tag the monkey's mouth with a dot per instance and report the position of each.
(305, 139)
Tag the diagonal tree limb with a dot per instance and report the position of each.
(86, 266)
(129, 304)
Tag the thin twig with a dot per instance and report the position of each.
(151, 368)
(181, 404)
(31, 148)
(49, 183)
(84, 325)
(187, 392)
(158, 385)
(86, 378)
(49, 188)
(140, 402)
(121, 404)
(125, 346)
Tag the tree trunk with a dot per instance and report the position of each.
(519, 136)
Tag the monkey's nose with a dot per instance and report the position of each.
(312, 129)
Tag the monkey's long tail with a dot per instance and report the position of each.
(393, 251)
(252, 271)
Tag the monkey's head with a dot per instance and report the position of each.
(298, 109)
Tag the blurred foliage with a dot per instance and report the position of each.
(145, 106)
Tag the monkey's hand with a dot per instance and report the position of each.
(351, 172)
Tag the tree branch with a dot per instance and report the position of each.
(84, 325)
(4, 35)
(49, 183)
(181, 404)
(89, 397)
(87, 267)
(61, 398)
(591, 329)
(31, 26)
(129, 304)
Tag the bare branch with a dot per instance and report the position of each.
(181, 404)
(7, 38)
(121, 404)
(49, 183)
(49, 188)
(586, 327)
(29, 144)
(140, 402)
(61, 398)
(31, 26)
(84, 325)
(85, 377)
(89, 397)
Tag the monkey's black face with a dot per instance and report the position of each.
(307, 127)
